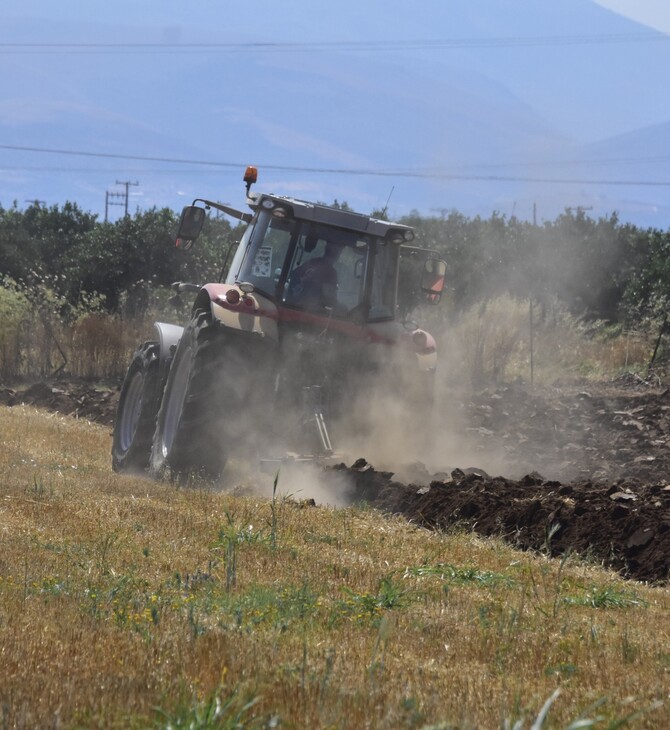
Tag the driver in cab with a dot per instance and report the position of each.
(313, 284)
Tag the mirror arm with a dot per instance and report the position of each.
(233, 212)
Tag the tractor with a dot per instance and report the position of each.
(311, 317)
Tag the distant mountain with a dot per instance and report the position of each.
(480, 125)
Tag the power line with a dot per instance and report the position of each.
(111, 155)
(427, 173)
(427, 170)
(325, 46)
(471, 166)
(105, 170)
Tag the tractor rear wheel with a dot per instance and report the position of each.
(206, 394)
(136, 413)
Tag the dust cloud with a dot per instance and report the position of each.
(399, 423)
(299, 481)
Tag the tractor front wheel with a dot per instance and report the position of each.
(136, 413)
(190, 429)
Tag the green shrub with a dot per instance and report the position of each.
(15, 317)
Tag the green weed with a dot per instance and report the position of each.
(606, 597)
(460, 575)
(229, 538)
(218, 711)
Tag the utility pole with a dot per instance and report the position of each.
(531, 318)
(126, 184)
(109, 200)
(110, 195)
(580, 209)
(37, 203)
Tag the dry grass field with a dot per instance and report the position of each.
(126, 603)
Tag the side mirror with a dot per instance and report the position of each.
(190, 225)
(432, 279)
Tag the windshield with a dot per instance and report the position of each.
(260, 256)
(317, 267)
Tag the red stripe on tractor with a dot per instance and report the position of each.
(286, 314)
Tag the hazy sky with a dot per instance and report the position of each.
(654, 13)
(378, 108)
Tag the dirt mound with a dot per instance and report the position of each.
(590, 467)
(602, 449)
(626, 527)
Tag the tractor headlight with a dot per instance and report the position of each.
(399, 235)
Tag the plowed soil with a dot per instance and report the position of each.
(587, 469)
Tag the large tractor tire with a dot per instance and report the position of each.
(135, 421)
(207, 396)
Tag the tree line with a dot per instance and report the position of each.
(70, 253)
(601, 269)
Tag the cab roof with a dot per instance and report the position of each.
(319, 213)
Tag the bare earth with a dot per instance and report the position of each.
(590, 468)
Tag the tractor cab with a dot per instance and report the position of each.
(328, 262)
(302, 260)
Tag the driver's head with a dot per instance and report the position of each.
(332, 251)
